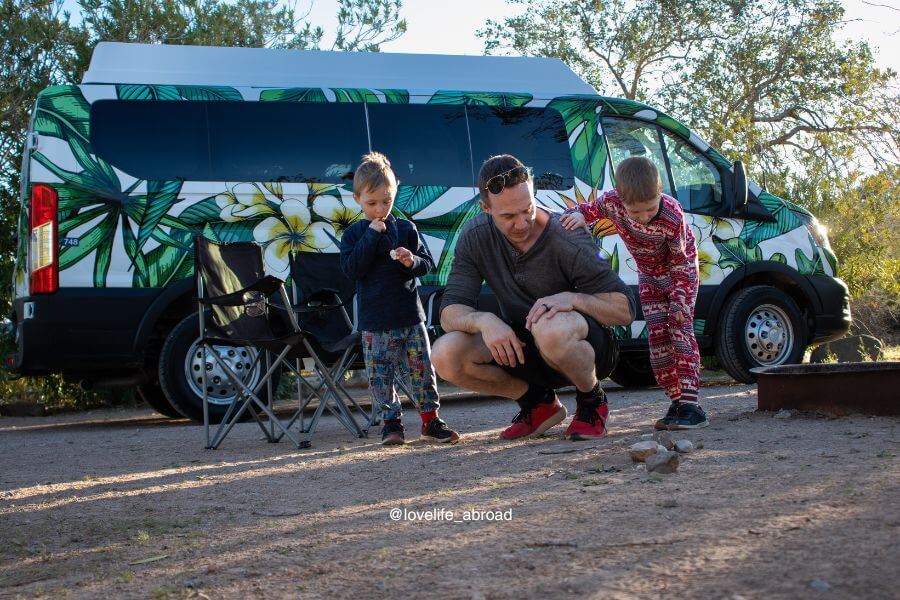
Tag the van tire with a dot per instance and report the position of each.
(153, 395)
(633, 370)
(756, 313)
(182, 394)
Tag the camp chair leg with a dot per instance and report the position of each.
(205, 399)
(271, 401)
(328, 391)
(326, 374)
(251, 397)
(227, 421)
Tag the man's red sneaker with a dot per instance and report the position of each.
(590, 420)
(529, 423)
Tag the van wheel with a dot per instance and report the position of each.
(153, 395)
(633, 370)
(180, 374)
(761, 327)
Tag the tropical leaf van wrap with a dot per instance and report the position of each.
(119, 231)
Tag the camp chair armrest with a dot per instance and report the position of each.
(267, 286)
(303, 308)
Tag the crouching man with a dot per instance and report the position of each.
(558, 302)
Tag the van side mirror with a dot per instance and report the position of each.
(740, 186)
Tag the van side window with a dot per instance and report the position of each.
(152, 140)
(286, 141)
(628, 138)
(426, 144)
(230, 141)
(536, 136)
(698, 186)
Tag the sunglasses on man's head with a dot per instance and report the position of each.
(514, 176)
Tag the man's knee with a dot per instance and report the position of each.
(448, 353)
(560, 332)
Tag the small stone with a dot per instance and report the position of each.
(783, 414)
(664, 462)
(818, 584)
(664, 439)
(684, 446)
(641, 450)
(647, 436)
(669, 503)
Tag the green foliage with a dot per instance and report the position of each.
(765, 81)
(734, 252)
(504, 100)
(863, 220)
(588, 148)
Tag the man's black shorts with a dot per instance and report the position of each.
(536, 371)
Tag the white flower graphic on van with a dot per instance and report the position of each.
(291, 231)
(340, 213)
(244, 201)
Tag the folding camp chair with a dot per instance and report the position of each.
(236, 308)
(322, 294)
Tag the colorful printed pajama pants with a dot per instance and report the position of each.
(395, 353)
(674, 355)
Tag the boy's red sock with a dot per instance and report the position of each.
(427, 417)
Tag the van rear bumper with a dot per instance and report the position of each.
(78, 330)
(834, 320)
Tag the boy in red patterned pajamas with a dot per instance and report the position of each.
(653, 228)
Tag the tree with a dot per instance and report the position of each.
(362, 25)
(763, 80)
(632, 41)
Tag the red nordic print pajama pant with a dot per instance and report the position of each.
(674, 355)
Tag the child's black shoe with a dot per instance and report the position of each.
(688, 416)
(392, 433)
(437, 431)
(667, 420)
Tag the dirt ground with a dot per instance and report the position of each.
(126, 504)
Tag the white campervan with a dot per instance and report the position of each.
(162, 143)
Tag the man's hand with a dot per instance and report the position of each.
(548, 306)
(501, 340)
(572, 220)
(378, 225)
(403, 255)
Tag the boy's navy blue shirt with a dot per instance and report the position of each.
(385, 289)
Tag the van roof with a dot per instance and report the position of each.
(156, 64)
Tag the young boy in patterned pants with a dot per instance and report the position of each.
(654, 230)
(385, 256)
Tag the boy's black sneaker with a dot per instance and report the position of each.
(688, 416)
(437, 431)
(667, 420)
(392, 433)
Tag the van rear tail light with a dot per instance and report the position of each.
(44, 251)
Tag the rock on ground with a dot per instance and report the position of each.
(664, 462)
(853, 348)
